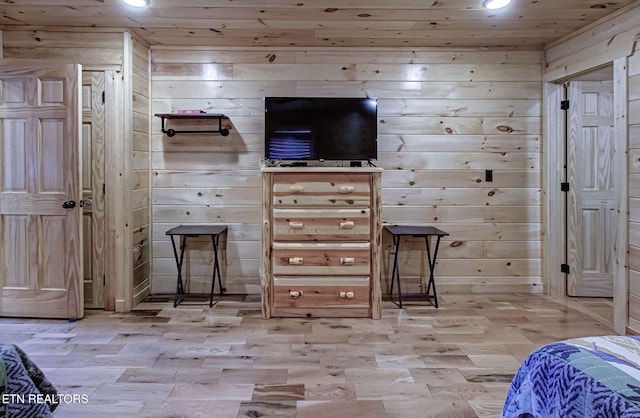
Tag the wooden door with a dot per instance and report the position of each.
(93, 185)
(40, 241)
(591, 198)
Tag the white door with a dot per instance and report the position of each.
(591, 196)
(93, 185)
(40, 240)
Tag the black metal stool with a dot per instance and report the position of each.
(397, 231)
(194, 231)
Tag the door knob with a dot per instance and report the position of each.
(69, 204)
(86, 202)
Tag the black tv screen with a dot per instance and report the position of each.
(321, 128)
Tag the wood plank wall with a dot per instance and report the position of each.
(100, 48)
(140, 170)
(445, 117)
(634, 192)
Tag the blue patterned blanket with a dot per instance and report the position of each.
(582, 377)
(24, 390)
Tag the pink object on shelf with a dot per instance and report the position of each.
(190, 112)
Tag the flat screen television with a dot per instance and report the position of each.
(321, 128)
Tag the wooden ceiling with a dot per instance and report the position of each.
(525, 24)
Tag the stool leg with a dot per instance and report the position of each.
(223, 290)
(395, 275)
(395, 265)
(432, 266)
(213, 276)
(175, 254)
(179, 259)
(216, 268)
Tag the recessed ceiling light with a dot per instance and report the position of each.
(495, 4)
(137, 3)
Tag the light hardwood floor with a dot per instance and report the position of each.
(192, 361)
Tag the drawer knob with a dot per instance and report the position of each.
(296, 188)
(347, 261)
(346, 189)
(347, 295)
(296, 225)
(295, 294)
(347, 225)
(296, 261)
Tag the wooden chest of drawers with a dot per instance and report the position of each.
(321, 241)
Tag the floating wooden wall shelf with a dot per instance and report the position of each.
(171, 132)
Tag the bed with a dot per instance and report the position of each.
(25, 391)
(581, 377)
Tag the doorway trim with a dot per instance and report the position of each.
(621, 242)
(554, 152)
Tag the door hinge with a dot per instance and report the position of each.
(564, 187)
(564, 105)
(103, 97)
(104, 188)
(564, 268)
(104, 280)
